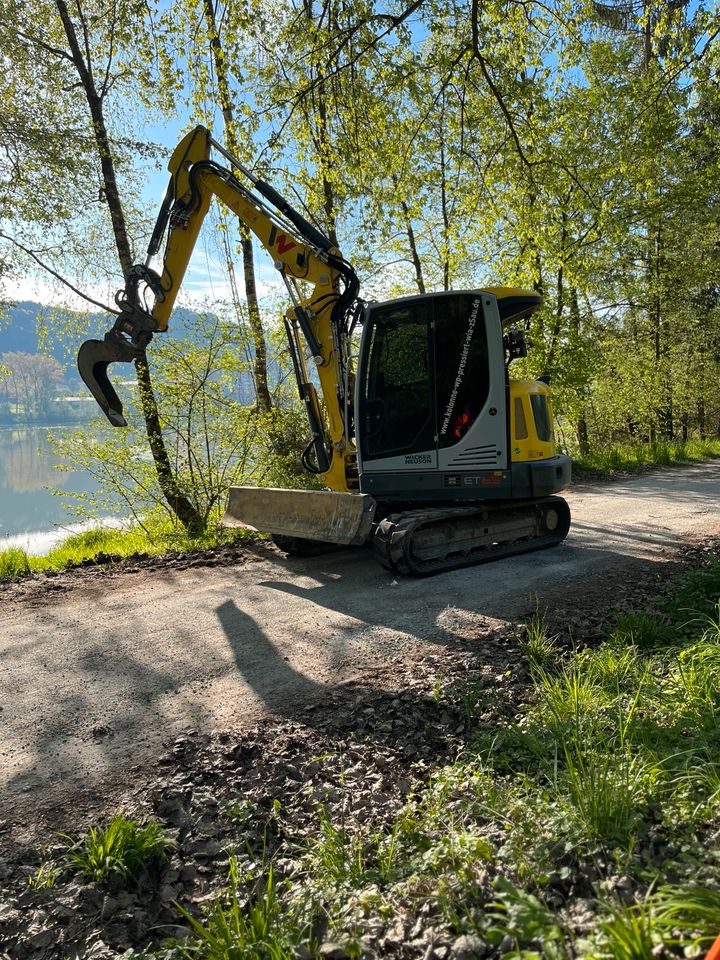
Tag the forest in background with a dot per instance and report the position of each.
(569, 147)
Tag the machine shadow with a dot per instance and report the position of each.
(429, 624)
(506, 589)
(252, 651)
(79, 736)
(361, 711)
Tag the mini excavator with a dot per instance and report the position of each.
(424, 444)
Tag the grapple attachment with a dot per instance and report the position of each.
(93, 360)
(342, 518)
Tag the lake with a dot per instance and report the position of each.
(30, 516)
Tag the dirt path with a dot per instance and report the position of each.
(101, 673)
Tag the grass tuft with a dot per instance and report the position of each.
(14, 563)
(693, 912)
(540, 647)
(123, 849)
(630, 932)
(252, 925)
(45, 877)
(642, 630)
(605, 793)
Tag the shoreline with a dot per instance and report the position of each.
(38, 543)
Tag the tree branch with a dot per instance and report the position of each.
(54, 273)
(493, 88)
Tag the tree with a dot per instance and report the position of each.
(91, 49)
(30, 382)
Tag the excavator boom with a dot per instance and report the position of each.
(321, 285)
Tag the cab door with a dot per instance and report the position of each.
(469, 383)
(396, 396)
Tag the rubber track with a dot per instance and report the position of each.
(394, 537)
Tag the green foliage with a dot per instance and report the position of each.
(675, 916)
(44, 877)
(254, 925)
(641, 630)
(526, 920)
(14, 563)
(691, 910)
(282, 438)
(123, 849)
(631, 458)
(540, 648)
(605, 792)
(630, 932)
(154, 537)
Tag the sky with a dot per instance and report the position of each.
(205, 281)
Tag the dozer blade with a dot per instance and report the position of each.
(93, 359)
(342, 518)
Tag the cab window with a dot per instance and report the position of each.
(397, 391)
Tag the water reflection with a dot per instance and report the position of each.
(27, 470)
(26, 462)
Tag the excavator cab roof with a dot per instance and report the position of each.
(514, 303)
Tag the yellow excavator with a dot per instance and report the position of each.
(426, 447)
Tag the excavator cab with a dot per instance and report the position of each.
(430, 378)
(433, 398)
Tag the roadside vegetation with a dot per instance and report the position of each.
(607, 460)
(122, 849)
(123, 853)
(585, 825)
(110, 545)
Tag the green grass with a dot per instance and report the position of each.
(14, 563)
(45, 877)
(103, 544)
(124, 849)
(540, 647)
(596, 791)
(610, 459)
(253, 925)
(631, 932)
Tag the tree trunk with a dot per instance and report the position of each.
(445, 212)
(701, 417)
(581, 427)
(419, 279)
(262, 391)
(666, 427)
(581, 432)
(177, 501)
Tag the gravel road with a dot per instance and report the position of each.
(102, 672)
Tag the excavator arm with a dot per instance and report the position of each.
(322, 287)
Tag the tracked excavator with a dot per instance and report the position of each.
(424, 445)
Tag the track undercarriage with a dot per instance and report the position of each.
(422, 542)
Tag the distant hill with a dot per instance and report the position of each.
(20, 326)
(19, 330)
